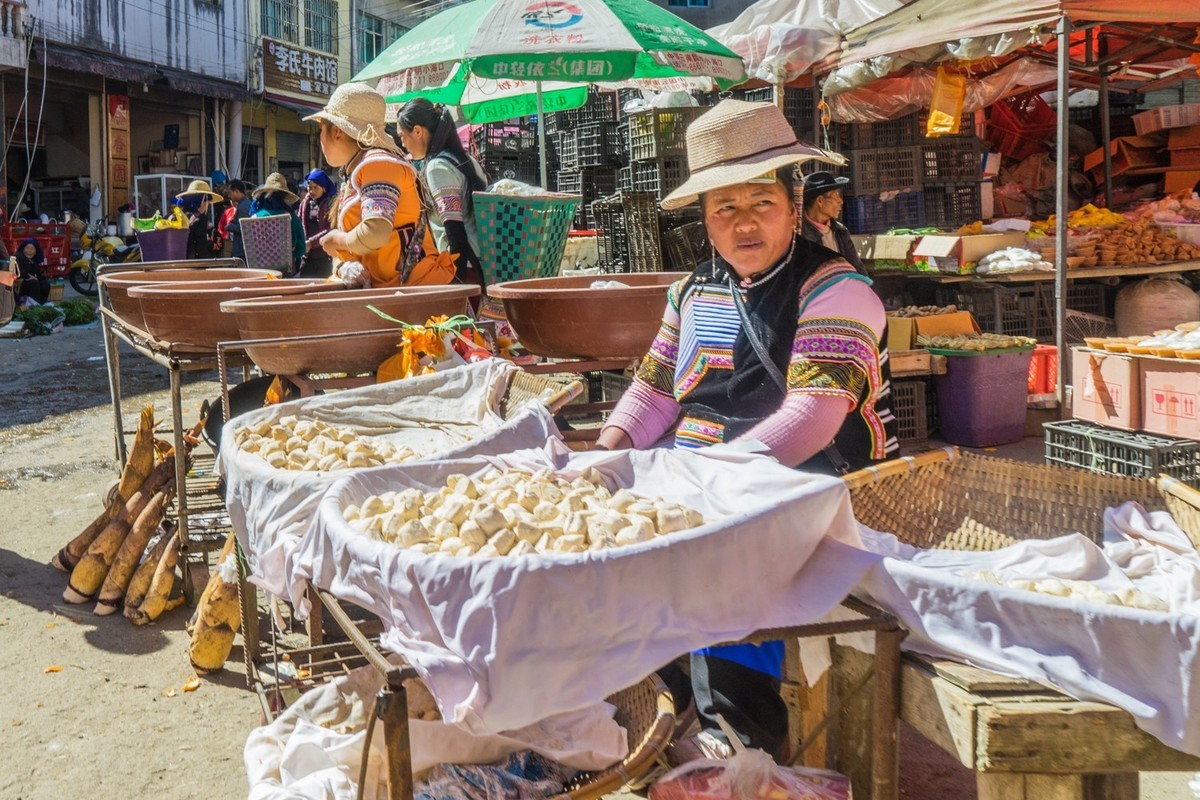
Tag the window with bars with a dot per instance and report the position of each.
(280, 20)
(371, 33)
(320, 25)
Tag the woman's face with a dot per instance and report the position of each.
(337, 147)
(315, 190)
(750, 225)
(416, 141)
(30, 251)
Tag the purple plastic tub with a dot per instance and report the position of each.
(982, 398)
(166, 244)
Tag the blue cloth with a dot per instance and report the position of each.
(766, 657)
(217, 178)
(319, 177)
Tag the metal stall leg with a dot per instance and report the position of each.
(885, 739)
(112, 359)
(181, 497)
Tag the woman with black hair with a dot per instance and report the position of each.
(428, 133)
(194, 202)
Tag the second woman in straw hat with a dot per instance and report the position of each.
(274, 198)
(194, 202)
(381, 235)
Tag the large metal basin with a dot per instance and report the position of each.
(188, 314)
(342, 312)
(566, 318)
(129, 309)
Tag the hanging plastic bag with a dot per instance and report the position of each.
(946, 105)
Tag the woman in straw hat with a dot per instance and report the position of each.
(776, 340)
(382, 236)
(274, 198)
(194, 202)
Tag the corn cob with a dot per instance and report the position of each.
(158, 597)
(89, 573)
(141, 456)
(218, 615)
(125, 562)
(139, 584)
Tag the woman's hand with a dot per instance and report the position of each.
(334, 242)
(613, 439)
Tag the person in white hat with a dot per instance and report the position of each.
(194, 202)
(382, 236)
(775, 340)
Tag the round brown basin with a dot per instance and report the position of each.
(341, 312)
(129, 309)
(566, 318)
(188, 314)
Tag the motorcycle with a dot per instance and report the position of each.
(99, 249)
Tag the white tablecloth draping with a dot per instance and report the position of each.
(445, 415)
(504, 642)
(1146, 662)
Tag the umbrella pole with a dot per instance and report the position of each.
(1062, 205)
(541, 136)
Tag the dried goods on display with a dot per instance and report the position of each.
(1182, 341)
(977, 342)
(513, 513)
(218, 615)
(312, 445)
(1103, 238)
(909, 312)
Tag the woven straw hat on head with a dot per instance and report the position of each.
(735, 142)
(275, 182)
(360, 112)
(200, 187)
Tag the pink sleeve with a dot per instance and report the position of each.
(801, 428)
(644, 414)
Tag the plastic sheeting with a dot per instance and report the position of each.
(780, 40)
(445, 415)
(887, 98)
(502, 642)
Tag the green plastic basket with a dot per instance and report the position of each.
(522, 237)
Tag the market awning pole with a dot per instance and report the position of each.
(1105, 127)
(542, 136)
(1062, 154)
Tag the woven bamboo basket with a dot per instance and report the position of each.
(946, 499)
(523, 388)
(646, 711)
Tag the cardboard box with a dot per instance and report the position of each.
(903, 331)
(960, 254)
(990, 166)
(1128, 152)
(1184, 138)
(1107, 388)
(1180, 179)
(1171, 397)
(1163, 117)
(987, 203)
(888, 252)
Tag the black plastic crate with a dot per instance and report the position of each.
(626, 225)
(910, 406)
(900, 132)
(951, 158)
(660, 132)
(506, 138)
(612, 238)
(522, 167)
(952, 205)
(798, 106)
(1073, 443)
(659, 176)
(597, 144)
(1009, 310)
(600, 107)
(684, 247)
(625, 179)
(885, 169)
(871, 214)
(591, 183)
(567, 146)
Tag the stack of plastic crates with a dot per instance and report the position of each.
(658, 148)
(883, 161)
(590, 183)
(911, 409)
(881, 169)
(874, 214)
(508, 150)
(627, 232)
(522, 237)
(684, 247)
(799, 107)
(1020, 126)
(1073, 443)
(951, 205)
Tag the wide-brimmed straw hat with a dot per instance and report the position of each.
(275, 182)
(360, 112)
(735, 142)
(200, 187)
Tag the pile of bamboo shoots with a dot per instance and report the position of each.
(112, 560)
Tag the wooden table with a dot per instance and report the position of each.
(1025, 740)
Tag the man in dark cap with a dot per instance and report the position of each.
(822, 207)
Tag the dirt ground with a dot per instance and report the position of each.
(115, 721)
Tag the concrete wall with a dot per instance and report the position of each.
(207, 37)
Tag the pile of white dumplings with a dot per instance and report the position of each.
(309, 445)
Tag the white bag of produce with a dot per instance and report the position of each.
(504, 641)
(447, 414)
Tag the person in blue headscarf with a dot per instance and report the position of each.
(315, 209)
